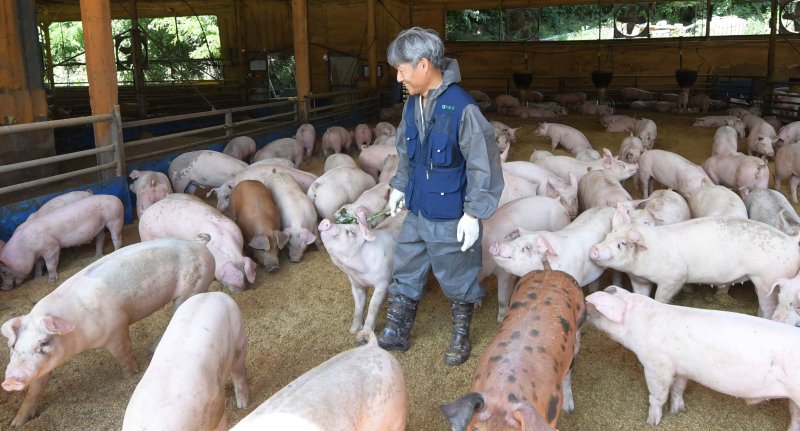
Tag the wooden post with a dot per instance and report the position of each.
(101, 69)
(301, 66)
(138, 60)
(773, 30)
(373, 48)
(48, 52)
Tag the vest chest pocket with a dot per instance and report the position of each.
(412, 142)
(441, 151)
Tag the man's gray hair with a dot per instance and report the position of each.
(414, 44)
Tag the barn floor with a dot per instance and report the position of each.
(299, 316)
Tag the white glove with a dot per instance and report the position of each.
(397, 200)
(467, 230)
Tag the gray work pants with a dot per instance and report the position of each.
(423, 245)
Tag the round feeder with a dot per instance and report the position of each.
(601, 79)
(522, 80)
(686, 77)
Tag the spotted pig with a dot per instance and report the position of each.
(522, 381)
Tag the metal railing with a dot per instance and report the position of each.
(116, 146)
(325, 105)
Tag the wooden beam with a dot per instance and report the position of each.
(373, 46)
(138, 60)
(101, 69)
(300, 29)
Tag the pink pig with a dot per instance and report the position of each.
(150, 187)
(69, 226)
(307, 136)
(185, 216)
(363, 136)
(93, 308)
(240, 147)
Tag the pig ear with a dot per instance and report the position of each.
(250, 269)
(777, 284)
(552, 191)
(135, 174)
(612, 308)
(620, 216)
(460, 411)
(780, 223)
(259, 242)
(215, 191)
(607, 153)
(635, 237)
(528, 418)
(308, 237)
(56, 325)
(573, 181)
(544, 247)
(282, 239)
(10, 328)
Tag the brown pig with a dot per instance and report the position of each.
(522, 381)
(252, 208)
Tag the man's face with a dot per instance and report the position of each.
(416, 79)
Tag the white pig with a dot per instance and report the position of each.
(384, 129)
(712, 200)
(530, 213)
(787, 165)
(71, 225)
(700, 348)
(721, 120)
(204, 168)
(58, 202)
(632, 94)
(389, 168)
(761, 138)
(339, 161)
(361, 389)
(772, 208)
(601, 189)
(261, 172)
(631, 149)
(240, 147)
(568, 137)
(789, 133)
(372, 158)
(726, 141)
(618, 123)
(336, 140)
(284, 148)
(363, 136)
(149, 187)
(647, 131)
(185, 216)
(660, 208)
(337, 187)
(550, 184)
(93, 308)
(566, 249)
(505, 104)
(738, 171)
(298, 216)
(371, 201)
(365, 256)
(670, 169)
(691, 252)
(307, 136)
(501, 128)
(563, 166)
(516, 187)
(184, 385)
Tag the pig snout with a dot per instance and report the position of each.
(13, 384)
(324, 225)
(500, 250)
(599, 253)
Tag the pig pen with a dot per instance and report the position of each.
(299, 316)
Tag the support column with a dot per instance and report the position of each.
(138, 60)
(773, 30)
(101, 68)
(302, 73)
(373, 48)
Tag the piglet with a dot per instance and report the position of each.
(365, 256)
(726, 142)
(58, 202)
(772, 208)
(253, 209)
(670, 169)
(93, 308)
(240, 147)
(71, 225)
(631, 149)
(789, 133)
(149, 187)
(284, 148)
(647, 131)
(761, 138)
(702, 348)
(568, 137)
(563, 166)
(203, 168)
(738, 171)
(307, 136)
(336, 140)
(363, 136)
(184, 385)
(523, 378)
(660, 208)
(185, 216)
(503, 129)
(361, 389)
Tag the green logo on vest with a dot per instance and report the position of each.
(449, 107)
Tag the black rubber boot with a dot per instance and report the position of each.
(400, 314)
(460, 347)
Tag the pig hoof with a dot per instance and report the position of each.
(677, 407)
(355, 328)
(52, 280)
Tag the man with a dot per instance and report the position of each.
(449, 178)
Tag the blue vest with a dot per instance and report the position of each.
(437, 178)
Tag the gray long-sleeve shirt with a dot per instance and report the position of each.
(477, 144)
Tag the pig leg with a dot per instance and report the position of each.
(121, 350)
(115, 229)
(359, 299)
(567, 403)
(375, 303)
(239, 375)
(505, 286)
(222, 425)
(658, 381)
(793, 183)
(666, 291)
(28, 408)
(37, 267)
(640, 285)
(676, 393)
(51, 261)
(766, 303)
(99, 240)
(554, 143)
